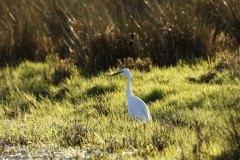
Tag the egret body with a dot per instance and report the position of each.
(137, 109)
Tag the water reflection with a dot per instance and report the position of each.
(38, 152)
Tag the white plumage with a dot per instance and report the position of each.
(137, 109)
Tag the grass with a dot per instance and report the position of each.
(195, 106)
(195, 116)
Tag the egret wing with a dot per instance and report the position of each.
(138, 109)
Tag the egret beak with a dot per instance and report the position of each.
(116, 73)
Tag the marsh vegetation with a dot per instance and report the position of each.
(57, 99)
(194, 115)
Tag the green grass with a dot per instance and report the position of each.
(194, 115)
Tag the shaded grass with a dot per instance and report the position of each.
(190, 120)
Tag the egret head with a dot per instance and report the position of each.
(124, 71)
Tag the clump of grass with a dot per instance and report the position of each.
(100, 90)
(141, 64)
(22, 103)
(60, 70)
(229, 61)
(205, 78)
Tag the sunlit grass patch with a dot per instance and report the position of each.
(190, 119)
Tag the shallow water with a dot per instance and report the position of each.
(41, 152)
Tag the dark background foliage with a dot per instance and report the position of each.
(98, 36)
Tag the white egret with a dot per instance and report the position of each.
(137, 109)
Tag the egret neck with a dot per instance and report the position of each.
(128, 89)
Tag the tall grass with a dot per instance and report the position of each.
(195, 116)
(96, 37)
